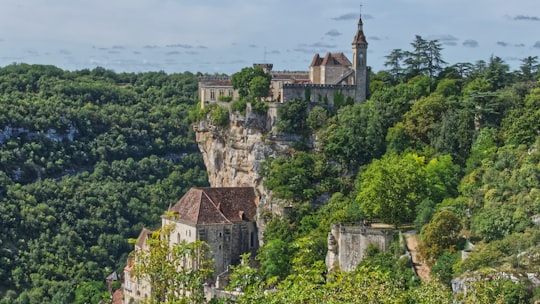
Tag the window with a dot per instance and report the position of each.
(212, 94)
(252, 240)
(221, 92)
(230, 93)
(178, 238)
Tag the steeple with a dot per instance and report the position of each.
(360, 38)
(359, 52)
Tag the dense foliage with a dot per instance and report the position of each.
(451, 150)
(87, 159)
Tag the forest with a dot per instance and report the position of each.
(87, 159)
(90, 157)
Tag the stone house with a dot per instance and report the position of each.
(223, 217)
(328, 75)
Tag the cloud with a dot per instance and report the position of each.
(192, 53)
(445, 39)
(202, 47)
(113, 52)
(348, 16)
(180, 45)
(136, 52)
(150, 46)
(304, 50)
(536, 45)
(374, 38)
(519, 45)
(322, 45)
(172, 53)
(64, 52)
(502, 43)
(333, 33)
(526, 18)
(274, 52)
(470, 43)
(253, 46)
(117, 47)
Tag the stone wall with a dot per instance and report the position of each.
(347, 243)
(319, 93)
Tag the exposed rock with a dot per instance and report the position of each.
(234, 155)
(466, 281)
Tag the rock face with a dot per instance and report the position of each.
(234, 155)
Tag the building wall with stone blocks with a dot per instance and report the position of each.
(318, 93)
(347, 244)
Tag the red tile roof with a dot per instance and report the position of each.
(202, 206)
(331, 59)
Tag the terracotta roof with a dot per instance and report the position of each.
(201, 206)
(216, 83)
(331, 59)
(143, 236)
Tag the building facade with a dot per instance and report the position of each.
(224, 218)
(328, 76)
(347, 244)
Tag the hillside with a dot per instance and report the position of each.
(87, 159)
(90, 157)
(454, 154)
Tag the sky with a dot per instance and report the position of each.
(223, 36)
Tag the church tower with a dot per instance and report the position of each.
(359, 53)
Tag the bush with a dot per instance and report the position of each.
(239, 106)
(220, 116)
(259, 107)
(224, 98)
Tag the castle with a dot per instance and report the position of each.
(328, 76)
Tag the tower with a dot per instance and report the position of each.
(359, 54)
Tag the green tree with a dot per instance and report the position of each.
(529, 68)
(183, 267)
(90, 292)
(252, 82)
(243, 276)
(390, 188)
(394, 61)
(440, 234)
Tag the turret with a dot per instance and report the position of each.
(359, 52)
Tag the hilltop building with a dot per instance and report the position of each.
(224, 218)
(328, 76)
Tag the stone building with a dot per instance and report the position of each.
(136, 290)
(347, 244)
(223, 217)
(327, 76)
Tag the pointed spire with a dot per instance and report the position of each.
(360, 38)
(360, 23)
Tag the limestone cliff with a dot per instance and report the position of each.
(233, 155)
